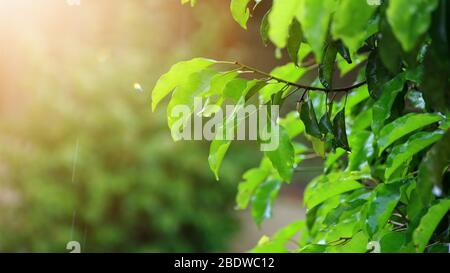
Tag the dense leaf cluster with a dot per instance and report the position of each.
(385, 140)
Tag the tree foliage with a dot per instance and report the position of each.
(385, 184)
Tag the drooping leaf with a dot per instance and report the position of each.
(410, 19)
(308, 116)
(295, 41)
(280, 18)
(222, 141)
(263, 200)
(377, 75)
(422, 234)
(382, 107)
(178, 74)
(217, 152)
(283, 156)
(350, 22)
(390, 50)
(325, 125)
(327, 66)
(340, 131)
(402, 153)
(343, 51)
(403, 126)
(240, 12)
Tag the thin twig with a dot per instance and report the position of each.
(300, 86)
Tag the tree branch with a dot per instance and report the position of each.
(299, 86)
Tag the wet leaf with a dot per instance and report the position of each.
(340, 131)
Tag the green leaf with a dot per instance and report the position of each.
(308, 116)
(295, 41)
(377, 75)
(185, 94)
(240, 12)
(350, 22)
(313, 248)
(333, 158)
(439, 248)
(219, 82)
(435, 84)
(254, 88)
(217, 152)
(357, 244)
(327, 66)
(381, 205)
(392, 242)
(221, 143)
(263, 200)
(343, 51)
(362, 150)
(355, 98)
(292, 124)
(410, 19)
(280, 18)
(177, 75)
(432, 168)
(252, 179)
(422, 234)
(340, 131)
(315, 16)
(264, 28)
(327, 186)
(279, 241)
(390, 50)
(344, 67)
(236, 89)
(382, 107)
(404, 152)
(193, 2)
(283, 157)
(325, 124)
(403, 126)
(318, 146)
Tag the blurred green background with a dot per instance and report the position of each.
(82, 158)
(81, 155)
